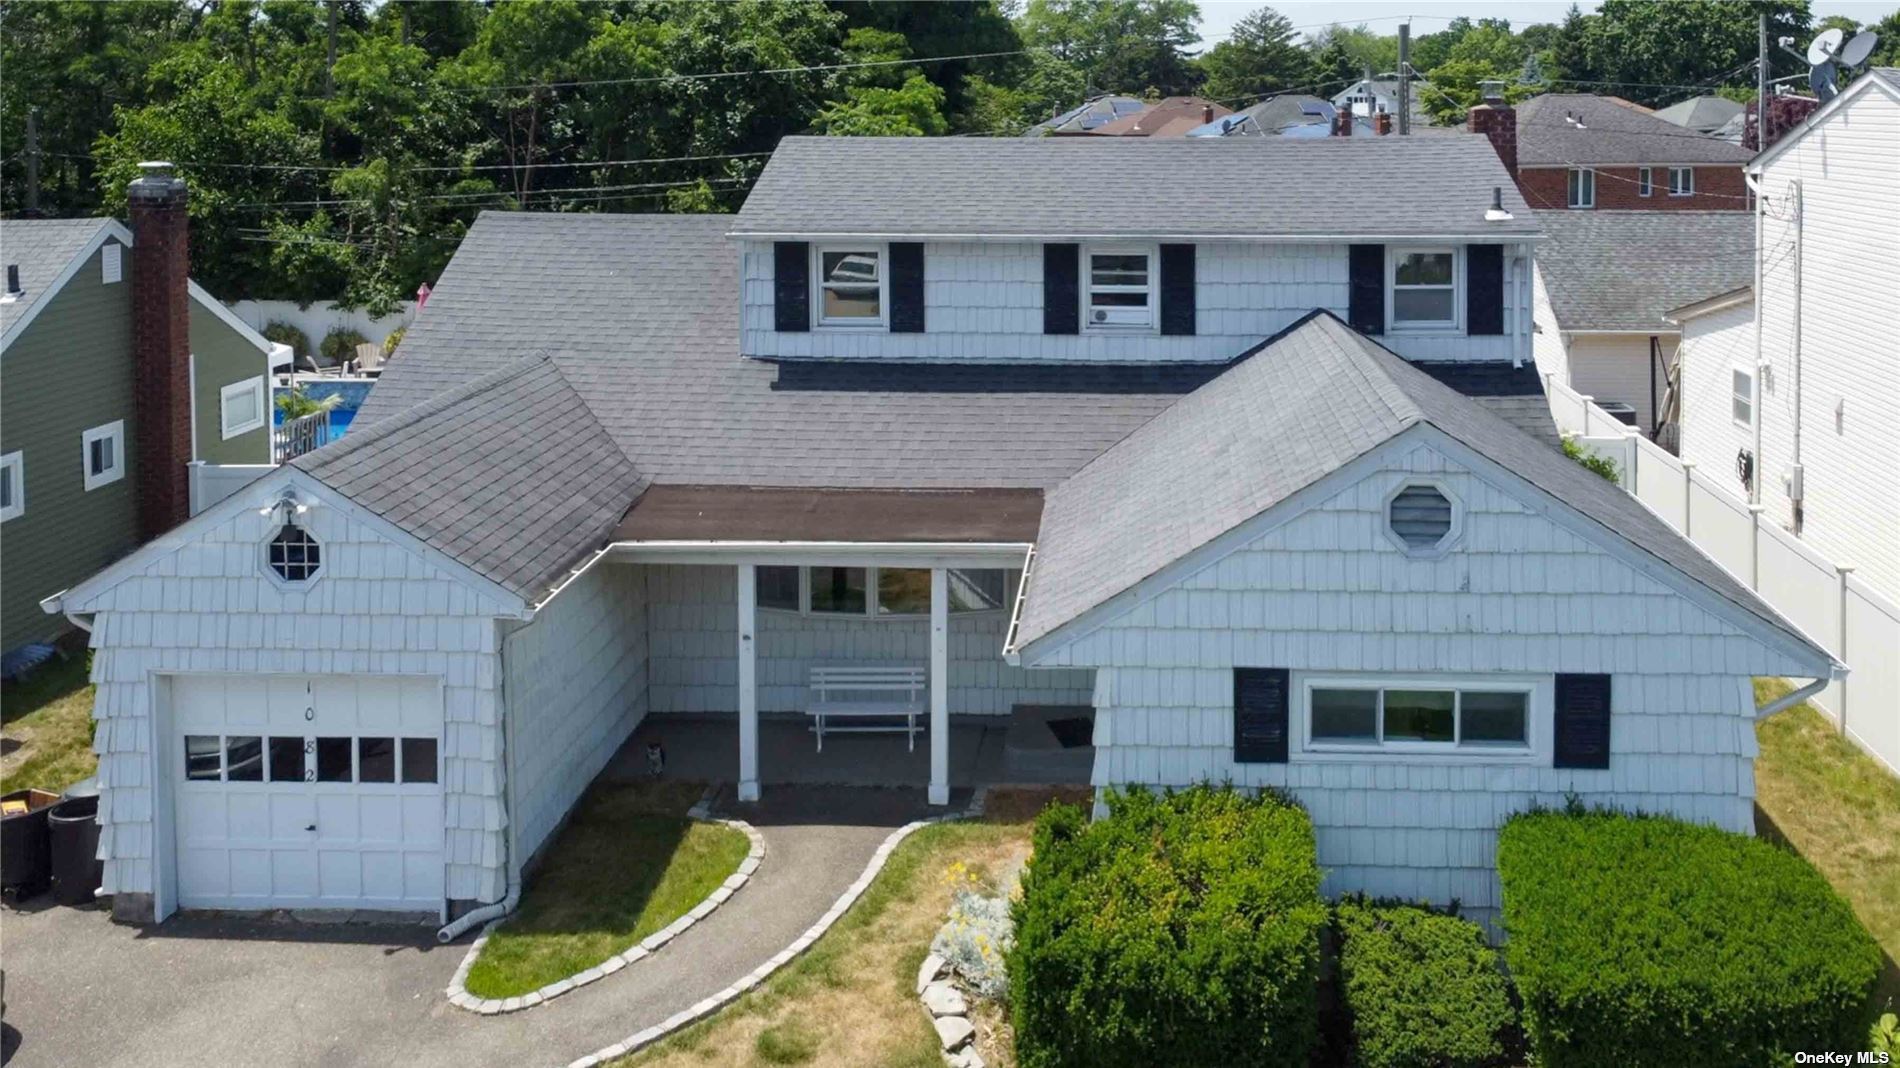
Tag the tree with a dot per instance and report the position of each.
(1887, 50)
(1123, 46)
(1050, 87)
(1262, 57)
(1651, 52)
(1364, 48)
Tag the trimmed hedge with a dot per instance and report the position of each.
(1642, 940)
(340, 344)
(1182, 929)
(1423, 988)
(285, 334)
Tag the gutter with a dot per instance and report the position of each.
(1792, 699)
(1469, 237)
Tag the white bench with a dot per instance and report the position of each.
(859, 692)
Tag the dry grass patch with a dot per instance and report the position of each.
(851, 1000)
(1839, 809)
(628, 864)
(47, 739)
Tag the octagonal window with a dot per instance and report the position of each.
(294, 555)
(1420, 516)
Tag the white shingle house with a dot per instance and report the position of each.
(1268, 484)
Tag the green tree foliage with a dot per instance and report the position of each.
(1262, 57)
(1363, 48)
(1648, 52)
(1123, 46)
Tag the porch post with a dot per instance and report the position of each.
(939, 687)
(748, 684)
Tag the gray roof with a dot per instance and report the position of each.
(41, 248)
(1703, 114)
(1058, 186)
(1614, 132)
(1890, 75)
(1623, 270)
(1306, 404)
(510, 474)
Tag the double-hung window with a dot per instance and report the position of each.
(1583, 188)
(1742, 396)
(1425, 288)
(851, 285)
(1645, 181)
(1121, 288)
(241, 407)
(878, 592)
(12, 485)
(1682, 181)
(102, 454)
(1418, 716)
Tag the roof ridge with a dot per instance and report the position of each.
(600, 425)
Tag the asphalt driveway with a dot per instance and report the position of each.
(240, 991)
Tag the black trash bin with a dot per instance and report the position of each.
(74, 829)
(25, 859)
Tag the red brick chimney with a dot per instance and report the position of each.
(1342, 122)
(161, 348)
(1498, 121)
(1382, 123)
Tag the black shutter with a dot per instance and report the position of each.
(1366, 312)
(1260, 715)
(907, 287)
(1061, 279)
(1582, 726)
(791, 286)
(1484, 289)
(1177, 289)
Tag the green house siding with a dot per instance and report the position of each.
(221, 356)
(67, 372)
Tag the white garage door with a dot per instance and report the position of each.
(307, 792)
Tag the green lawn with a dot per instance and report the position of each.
(1838, 808)
(627, 864)
(48, 727)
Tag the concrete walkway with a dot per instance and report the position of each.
(204, 990)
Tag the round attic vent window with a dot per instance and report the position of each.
(294, 555)
(1420, 516)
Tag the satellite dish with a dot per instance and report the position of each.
(1821, 80)
(1825, 46)
(1856, 51)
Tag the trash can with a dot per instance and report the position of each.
(25, 859)
(73, 826)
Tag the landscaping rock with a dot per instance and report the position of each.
(964, 1058)
(933, 969)
(942, 999)
(954, 1032)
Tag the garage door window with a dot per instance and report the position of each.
(418, 760)
(245, 758)
(287, 759)
(333, 760)
(376, 760)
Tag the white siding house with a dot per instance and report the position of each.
(1828, 311)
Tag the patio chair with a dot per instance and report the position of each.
(369, 359)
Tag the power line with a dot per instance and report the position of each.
(455, 169)
(485, 194)
(714, 75)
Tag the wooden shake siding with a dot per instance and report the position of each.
(692, 616)
(575, 681)
(378, 608)
(984, 302)
(1328, 591)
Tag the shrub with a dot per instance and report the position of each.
(1423, 987)
(285, 334)
(394, 339)
(1603, 466)
(978, 936)
(340, 344)
(1641, 940)
(1182, 929)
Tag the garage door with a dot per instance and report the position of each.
(307, 792)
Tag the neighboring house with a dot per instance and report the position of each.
(1379, 96)
(1270, 117)
(1811, 408)
(1703, 114)
(1606, 280)
(1090, 115)
(119, 372)
(1584, 152)
(1172, 117)
(1267, 483)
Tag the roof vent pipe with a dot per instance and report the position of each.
(1496, 212)
(13, 280)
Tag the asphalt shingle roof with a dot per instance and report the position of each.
(1703, 114)
(1613, 133)
(1067, 186)
(1622, 270)
(41, 248)
(1304, 405)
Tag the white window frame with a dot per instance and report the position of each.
(111, 264)
(1456, 324)
(1012, 581)
(1152, 289)
(1645, 181)
(252, 386)
(1540, 691)
(1735, 397)
(15, 465)
(1580, 180)
(818, 319)
(113, 431)
(1684, 188)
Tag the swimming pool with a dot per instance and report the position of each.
(354, 392)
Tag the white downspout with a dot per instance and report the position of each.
(1797, 487)
(1800, 695)
(1761, 206)
(510, 845)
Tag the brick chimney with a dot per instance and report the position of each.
(1382, 123)
(1497, 120)
(161, 348)
(1342, 122)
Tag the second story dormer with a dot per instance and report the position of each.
(1129, 251)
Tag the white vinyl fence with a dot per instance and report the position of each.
(1824, 599)
(211, 483)
(320, 318)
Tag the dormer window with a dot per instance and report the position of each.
(1425, 289)
(851, 285)
(294, 555)
(1121, 291)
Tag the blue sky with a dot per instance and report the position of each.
(1218, 16)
